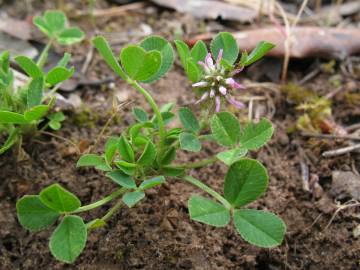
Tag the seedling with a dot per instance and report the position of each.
(23, 109)
(144, 155)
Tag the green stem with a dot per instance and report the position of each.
(44, 54)
(101, 202)
(155, 108)
(208, 190)
(197, 164)
(112, 211)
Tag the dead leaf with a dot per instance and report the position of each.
(15, 28)
(210, 9)
(16, 46)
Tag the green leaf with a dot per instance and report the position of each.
(255, 136)
(54, 125)
(55, 120)
(140, 115)
(29, 66)
(55, 20)
(10, 141)
(160, 44)
(207, 211)
(122, 179)
(199, 51)
(227, 42)
(167, 107)
(245, 181)
(193, 71)
(169, 156)
(42, 25)
(189, 142)
(70, 36)
(59, 199)
(132, 198)
(7, 117)
(260, 50)
(225, 128)
(125, 149)
(104, 49)
(139, 64)
(188, 120)
(183, 51)
(58, 116)
(36, 112)
(149, 154)
(167, 118)
(64, 60)
(35, 92)
(90, 160)
(69, 239)
(172, 171)
(191, 68)
(260, 228)
(33, 214)
(126, 167)
(96, 223)
(59, 74)
(244, 56)
(110, 148)
(231, 156)
(153, 182)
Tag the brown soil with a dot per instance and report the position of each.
(158, 234)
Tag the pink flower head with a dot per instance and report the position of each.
(218, 82)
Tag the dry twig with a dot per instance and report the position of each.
(341, 151)
(331, 136)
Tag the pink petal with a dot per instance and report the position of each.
(217, 103)
(212, 93)
(203, 97)
(236, 103)
(205, 67)
(209, 62)
(200, 84)
(222, 90)
(234, 84)
(219, 57)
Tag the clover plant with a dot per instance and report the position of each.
(143, 156)
(23, 108)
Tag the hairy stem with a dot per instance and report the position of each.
(208, 190)
(44, 54)
(197, 164)
(101, 202)
(155, 108)
(112, 210)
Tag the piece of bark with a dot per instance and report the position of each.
(113, 11)
(305, 41)
(210, 9)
